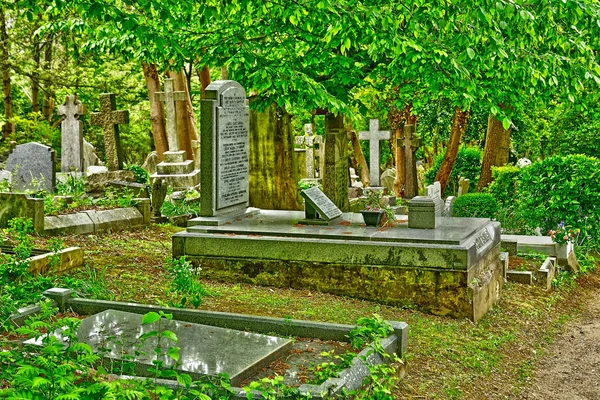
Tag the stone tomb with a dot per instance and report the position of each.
(204, 350)
(452, 270)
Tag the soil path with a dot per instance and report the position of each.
(571, 370)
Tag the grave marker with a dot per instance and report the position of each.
(308, 142)
(318, 208)
(434, 192)
(33, 167)
(72, 154)
(224, 151)
(109, 119)
(169, 97)
(374, 135)
(410, 143)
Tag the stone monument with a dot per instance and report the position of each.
(434, 192)
(175, 170)
(374, 135)
(336, 176)
(410, 143)
(33, 167)
(109, 119)
(224, 152)
(72, 150)
(308, 142)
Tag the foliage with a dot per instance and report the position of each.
(141, 175)
(467, 165)
(504, 184)
(368, 329)
(304, 184)
(475, 205)
(374, 201)
(187, 205)
(563, 234)
(562, 189)
(185, 282)
(331, 368)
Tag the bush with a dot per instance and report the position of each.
(475, 205)
(562, 189)
(504, 184)
(467, 165)
(141, 176)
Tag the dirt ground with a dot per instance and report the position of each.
(571, 368)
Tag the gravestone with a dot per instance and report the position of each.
(159, 192)
(422, 213)
(169, 97)
(224, 151)
(150, 163)
(318, 208)
(448, 206)
(387, 179)
(72, 150)
(308, 142)
(90, 158)
(374, 135)
(434, 192)
(336, 178)
(109, 119)
(204, 349)
(33, 167)
(319, 153)
(410, 143)
(463, 186)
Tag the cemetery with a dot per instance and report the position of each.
(299, 200)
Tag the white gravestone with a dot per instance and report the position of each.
(374, 135)
(72, 151)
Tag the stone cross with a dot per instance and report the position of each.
(109, 119)
(72, 135)
(410, 143)
(374, 135)
(169, 96)
(308, 141)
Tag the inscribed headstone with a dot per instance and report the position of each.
(316, 199)
(224, 151)
(72, 151)
(109, 119)
(33, 167)
(374, 135)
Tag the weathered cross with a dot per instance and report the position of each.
(169, 96)
(72, 134)
(374, 135)
(109, 119)
(410, 143)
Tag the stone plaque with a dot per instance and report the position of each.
(321, 203)
(232, 156)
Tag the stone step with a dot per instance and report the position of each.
(178, 168)
(181, 181)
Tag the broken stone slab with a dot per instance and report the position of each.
(68, 224)
(63, 260)
(96, 183)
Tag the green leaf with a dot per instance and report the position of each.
(471, 53)
(184, 380)
(150, 318)
(169, 335)
(506, 123)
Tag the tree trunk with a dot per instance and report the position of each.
(48, 106)
(186, 122)
(157, 115)
(361, 161)
(459, 125)
(9, 127)
(495, 153)
(224, 73)
(204, 75)
(35, 75)
(273, 173)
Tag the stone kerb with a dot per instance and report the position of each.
(224, 152)
(15, 205)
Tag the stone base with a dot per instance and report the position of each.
(223, 219)
(180, 182)
(454, 270)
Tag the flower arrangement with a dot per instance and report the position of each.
(374, 201)
(375, 204)
(563, 234)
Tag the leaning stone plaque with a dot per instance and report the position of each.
(318, 208)
(224, 151)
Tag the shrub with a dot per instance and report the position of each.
(504, 184)
(141, 175)
(562, 189)
(467, 165)
(475, 205)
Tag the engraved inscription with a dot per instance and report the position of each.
(232, 136)
(324, 206)
(483, 239)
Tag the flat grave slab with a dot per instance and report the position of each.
(205, 350)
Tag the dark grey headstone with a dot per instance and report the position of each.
(315, 198)
(224, 151)
(33, 167)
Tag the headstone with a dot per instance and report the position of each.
(422, 213)
(434, 192)
(150, 163)
(448, 206)
(410, 143)
(319, 153)
(336, 177)
(318, 208)
(463, 186)
(224, 151)
(72, 150)
(374, 135)
(90, 158)
(354, 182)
(169, 97)
(159, 192)
(387, 179)
(33, 167)
(307, 142)
(109, 119)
